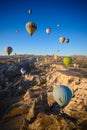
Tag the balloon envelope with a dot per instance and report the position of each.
(62, 39)
(30, 11)
(58, 25)
(62, 95)
(23, 70)
(67, 40)
(58, 50)
(48, 30)
(31, 27)
(56, 57)
(67, 61)
(8, 50)
(17, 30)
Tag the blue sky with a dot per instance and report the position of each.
(70, 14)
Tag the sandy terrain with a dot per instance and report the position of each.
(26, 101)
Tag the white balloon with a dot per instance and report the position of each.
(48, 30)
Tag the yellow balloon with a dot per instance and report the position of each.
(56, 57)
(31, 27)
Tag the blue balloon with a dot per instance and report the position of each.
(23, 70)
(62, 95)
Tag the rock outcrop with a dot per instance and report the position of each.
(26, 102)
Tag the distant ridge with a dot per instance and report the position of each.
(79, 56)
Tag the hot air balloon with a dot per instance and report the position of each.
(19, 60)
(56, 57)
(30, 11)
(17, 30)
(31, 27)
(58, 50)
(58, 25)
(67, 60)
(67, 40)
(23, 70)
(62, 95)
(37, 59)
(15, 54)
(47, 60)
(76, 65)
(48, 30)
(62, 39)
(8, 50)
